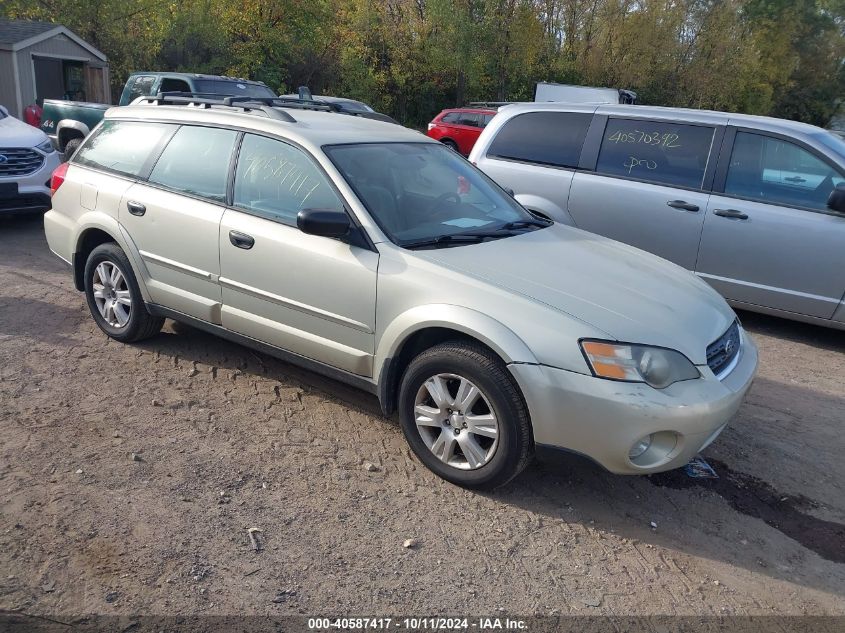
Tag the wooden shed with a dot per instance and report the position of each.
(44, 60)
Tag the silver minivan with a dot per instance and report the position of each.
(754, 205)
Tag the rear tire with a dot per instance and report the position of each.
(451, 144)
(71, 147)
(114, 297)
(464, 416)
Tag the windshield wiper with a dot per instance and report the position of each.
(453, 238)
(520, 224)
(506, 230)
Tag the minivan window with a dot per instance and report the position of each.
(663, 152)
(123, 146)
(545, 138)
(196, 161)
(775, 171)
(276, 181)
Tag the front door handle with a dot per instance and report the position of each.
(241, 240)
(136, 208)
(730, 213)
(683, 205)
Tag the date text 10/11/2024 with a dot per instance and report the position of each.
(417, 624)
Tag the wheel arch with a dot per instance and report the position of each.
(67, 130)
(423, 327)
(545, 207)
(98, 228)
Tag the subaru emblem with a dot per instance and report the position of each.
(3, 159)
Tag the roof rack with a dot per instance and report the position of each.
(489, 104)
(268, 105)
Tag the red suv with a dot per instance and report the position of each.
(459, 128)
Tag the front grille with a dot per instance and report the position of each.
(722, 352)
(19, 161)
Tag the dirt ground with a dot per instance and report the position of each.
(130, 476)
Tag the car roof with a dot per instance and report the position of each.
(714, 117)
(311, 127)
(474, 110)
(155, 73)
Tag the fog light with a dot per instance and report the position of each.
(640, 447)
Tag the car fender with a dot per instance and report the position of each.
(108, 224)
(546, 207)
(70, 124)
(486, 329)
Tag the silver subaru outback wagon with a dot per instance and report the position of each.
(369, 253)
(753, 205)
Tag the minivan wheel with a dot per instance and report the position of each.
(464, 417)
(114, 297)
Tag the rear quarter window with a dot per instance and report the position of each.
(545, 138)
(663, 152)
(124, 147)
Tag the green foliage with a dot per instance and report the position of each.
(411, 58)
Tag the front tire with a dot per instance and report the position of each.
(114, 297)
(464, 416)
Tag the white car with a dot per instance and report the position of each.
(375, 255)
(27, 159)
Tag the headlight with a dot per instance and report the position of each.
(46, 147)
(655, 366)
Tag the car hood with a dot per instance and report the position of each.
(631, 295)
(16, 133)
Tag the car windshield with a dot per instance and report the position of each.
(424, 194)
(237, 88)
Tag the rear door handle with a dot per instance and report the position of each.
(731, 213)
(241, 240)
(136, 208)
(683, 205)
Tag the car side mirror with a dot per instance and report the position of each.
(323, 222)
(836, 201)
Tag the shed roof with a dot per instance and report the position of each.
(18, 34)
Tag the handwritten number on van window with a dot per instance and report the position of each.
(668, 140)
(634, 162)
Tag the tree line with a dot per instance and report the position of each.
(411, 58)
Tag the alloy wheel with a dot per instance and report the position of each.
(111, 294)
(456, 422)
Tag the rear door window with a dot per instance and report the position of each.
(452, 117)
(124, 147)
(470, 119)
(545, 138)
(196, 161)
(663, 152)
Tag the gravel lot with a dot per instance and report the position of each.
(130, 476)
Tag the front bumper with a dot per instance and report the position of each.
(33, 190)
(603, 419)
